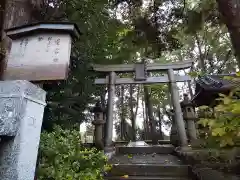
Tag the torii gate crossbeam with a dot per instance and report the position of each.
(154, 67)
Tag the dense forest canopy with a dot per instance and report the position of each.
(123, 32)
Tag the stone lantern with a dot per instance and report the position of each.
(98, 123)
(40, 51)
(174, 135)
(189, 116)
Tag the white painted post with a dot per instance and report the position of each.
(21, 112)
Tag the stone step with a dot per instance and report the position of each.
(149, 170)
(160, 159)
(145, 178)
(163, 149)
(119, 143)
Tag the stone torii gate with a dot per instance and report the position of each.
(141, 70)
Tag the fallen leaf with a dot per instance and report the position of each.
(125, 176)
(130, 156)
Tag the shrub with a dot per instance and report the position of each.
(63, 158)
(224, 125)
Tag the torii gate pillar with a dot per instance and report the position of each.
(177, 108)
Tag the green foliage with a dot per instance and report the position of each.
(200, 21)
(223, 123)
(62, 157)
(101, 42)
(116, 32)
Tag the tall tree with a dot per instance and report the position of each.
(230, 10)
(122, 114)
(152, 120)
(102, 43)
(132, 115)
(2, 52)
(17, 13)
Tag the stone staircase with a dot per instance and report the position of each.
(144, 162)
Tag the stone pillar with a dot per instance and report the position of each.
(190, 117)
(21, 112)
(98, 123)
(109, 123)
(177, 108)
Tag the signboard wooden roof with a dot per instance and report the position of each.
(52, 27)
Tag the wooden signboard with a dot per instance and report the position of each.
(39, 54)
(42, 57)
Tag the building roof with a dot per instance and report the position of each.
(209, 86)
(219, 82)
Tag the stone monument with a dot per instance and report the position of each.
(21, 113)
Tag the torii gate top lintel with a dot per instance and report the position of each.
(149, 67)
(140, 70)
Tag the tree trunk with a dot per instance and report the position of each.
(201, 54)
(152, 121)
(137, 106)
(2, 52)
(132, 116)
(2, 9)
(145, 120)
(136, 110)
(123, 124)
(160, 123)
(17, 13)
(104, 105)
(230, 10)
